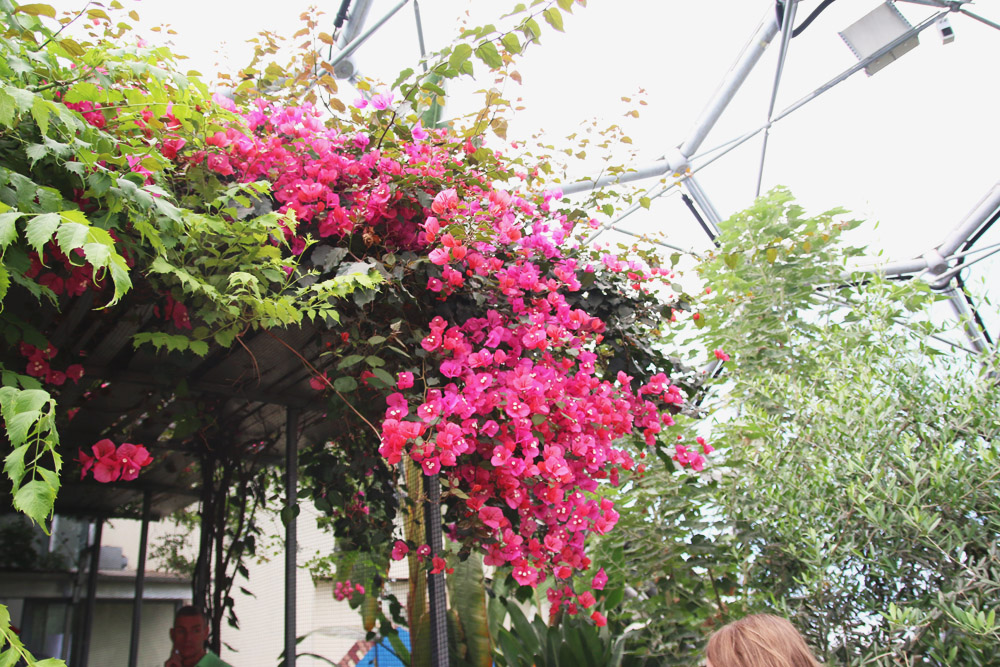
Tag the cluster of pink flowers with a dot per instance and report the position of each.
(522, 420)
(39, 365)
(524, 424)
(437, 563)
(345, 590)
(110, 463)
(333, 183)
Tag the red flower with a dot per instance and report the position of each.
(132, 458)
(399, 550)
(599, 619)
(86, 463)
(74, 372)
(107, 468)
(319, 382)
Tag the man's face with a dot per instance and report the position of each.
(189, 635)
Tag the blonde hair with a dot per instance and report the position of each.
(759, 640)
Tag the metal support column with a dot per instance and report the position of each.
(351, 47)
(140, 581)
(291, 543)
(678, 158)
(972, 332)
(82, 654)
(435, 582)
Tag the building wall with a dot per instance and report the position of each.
(330, 628)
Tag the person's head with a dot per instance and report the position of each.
(190, 634)
(759, 640)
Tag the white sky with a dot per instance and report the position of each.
(913, 148)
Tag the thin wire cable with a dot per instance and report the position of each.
(786, 37)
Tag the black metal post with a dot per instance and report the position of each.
(83, 654)
(140, 581)
(291, 546)
(435, 582)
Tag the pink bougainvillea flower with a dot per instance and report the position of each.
(404, 380)
(319, 382)
(132, 459)
(37, 367)
(424, 550)
(524, 573)
(720, 355)
(224, 102)
(107, 466)
(445, 202)
(419, 133)
(86, 463)
(360, 103)
(600, 580)
(431, 466)
(382, 101)
(399, 550)
(586, 599)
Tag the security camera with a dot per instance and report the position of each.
(945, 30)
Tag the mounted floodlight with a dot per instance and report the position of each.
(877, 30)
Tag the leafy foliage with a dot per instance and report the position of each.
(861, 481)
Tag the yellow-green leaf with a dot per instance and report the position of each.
(37, 10)
(554, 18)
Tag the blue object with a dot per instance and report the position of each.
(383, 654)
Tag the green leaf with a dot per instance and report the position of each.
(6, 108)
(72, 235)
(567, 5)
(384, 376)
(36, 499)
(345, 383)
(511, 43)
(349, 361)
(8, 228)
(644, 202)
(40, 229)
(98, 254)
(531, 27)
(554, 18)
(71, 47)
(487, 52)
(460, 55)
(35, 152)
(13, 465)
(40, 108)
